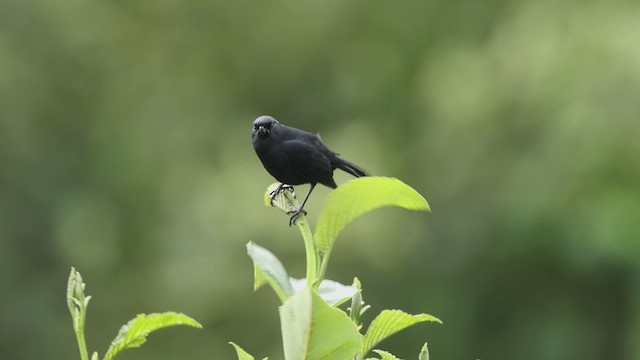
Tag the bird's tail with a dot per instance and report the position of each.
(351, 168)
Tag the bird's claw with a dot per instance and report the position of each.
(274, 193)
(296, 215)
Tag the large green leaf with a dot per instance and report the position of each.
(389, 322)
(135, 332)
(357, 197)
(268, 269)
(313, 330)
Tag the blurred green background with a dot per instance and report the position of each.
(125, 151)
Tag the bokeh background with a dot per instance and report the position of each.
(125, 152)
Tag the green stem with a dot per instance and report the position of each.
(309, 244)
(323, 265)
(77, 303)
(79, 329)
(310, 250)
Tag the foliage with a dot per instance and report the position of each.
(243, 355)
(131, 335)
(313, 328)
(388, 323)
(134, 333)
(268, 269)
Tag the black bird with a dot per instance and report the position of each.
(296, 157)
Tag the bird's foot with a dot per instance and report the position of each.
(296, 215)
(277, 191)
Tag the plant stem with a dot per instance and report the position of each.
(323, 265)
(79, 329)
(310, 249)
(77, 303)
(313, 280)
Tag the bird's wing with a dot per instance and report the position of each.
(308, 161)
(291, 133)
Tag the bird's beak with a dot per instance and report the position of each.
(262, 130)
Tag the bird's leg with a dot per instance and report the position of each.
(300, 210)
(275, 192)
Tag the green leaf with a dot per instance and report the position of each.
(357, 197)
(389, 322)
(332, 292)
(313, 330)
(268, 269)
(424, 353)
(385, 355)
(77, 302)
(71, 289)
(243, 355)
(135, 332)
(357, 304)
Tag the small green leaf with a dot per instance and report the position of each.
(424, 353)
(243, 355)
(389, 322)
(71, 285)
(135, 332)
(268, 269)
(385, 355)
(334, 293)
(76, 299)
(313, 330)
(356, 302)
(357, 197)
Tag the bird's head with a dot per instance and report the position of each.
(263, 126)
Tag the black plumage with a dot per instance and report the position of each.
(296, 157)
